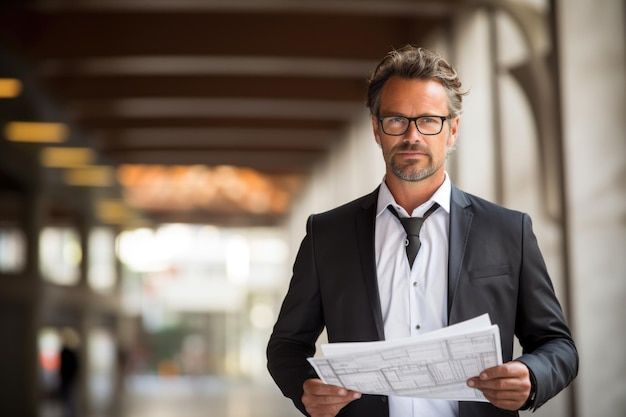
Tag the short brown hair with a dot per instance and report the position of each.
(415, 63)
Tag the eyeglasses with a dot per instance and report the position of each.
(398, 125)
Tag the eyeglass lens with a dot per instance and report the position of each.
(398, 125)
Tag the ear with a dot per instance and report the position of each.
(454, 130)
(375, 126)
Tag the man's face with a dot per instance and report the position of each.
(413, 156)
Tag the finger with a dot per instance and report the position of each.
(321, 400)
(326, 404)
(329, 399)
(512, 369)
(326, 411)
(509, 400)
(318, 387)
(318, 394)
(506, 386)
(500, 384)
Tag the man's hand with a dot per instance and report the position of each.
(506, 386)
(322, 400)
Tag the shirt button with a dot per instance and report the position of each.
(415, 284)
(417, 327)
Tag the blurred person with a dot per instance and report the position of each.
(69, 370)
(352, 276)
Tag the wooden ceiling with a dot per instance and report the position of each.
(266, 86)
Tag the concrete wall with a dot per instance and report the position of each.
(593, 75)
(501, 155)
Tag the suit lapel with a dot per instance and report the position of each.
(365, 229)
(460, 221)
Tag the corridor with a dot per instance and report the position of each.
(150, 396)
(210, 396)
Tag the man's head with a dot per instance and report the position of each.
(415, 101)
(411, 62)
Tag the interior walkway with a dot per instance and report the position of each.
(150, 396)
(153, 396)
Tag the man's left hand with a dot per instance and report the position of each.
(506, 386)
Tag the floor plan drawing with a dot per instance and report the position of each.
(436, 366)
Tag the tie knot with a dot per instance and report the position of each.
(412, 225)
(416, 220)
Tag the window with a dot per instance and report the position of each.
(60, 255)
(12, 250)
(102, 274)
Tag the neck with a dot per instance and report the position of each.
(412, 194)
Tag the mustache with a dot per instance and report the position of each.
(411, 147)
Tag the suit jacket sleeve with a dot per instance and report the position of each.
(548, 348)
(299, 324)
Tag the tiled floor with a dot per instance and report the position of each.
(150, 396)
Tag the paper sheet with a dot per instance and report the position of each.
(434, 365)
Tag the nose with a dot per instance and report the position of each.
(412, 133)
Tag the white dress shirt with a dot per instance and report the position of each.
(414, 300)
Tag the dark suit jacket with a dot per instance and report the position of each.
(494, 267)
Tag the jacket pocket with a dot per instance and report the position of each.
(494, 271)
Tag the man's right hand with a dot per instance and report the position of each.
(322, 400)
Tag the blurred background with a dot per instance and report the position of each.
(158, 160)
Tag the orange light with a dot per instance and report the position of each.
(10, 87)
(36, 132)
(113, 211)
(96, 176)
(66, 157)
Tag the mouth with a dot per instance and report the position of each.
(411, 154)
(411, 151)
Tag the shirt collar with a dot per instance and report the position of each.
(441, 197)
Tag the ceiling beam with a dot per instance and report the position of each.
(44, 35)
(264, 160)
(102, 121)
(292, 87)
(244, 139)
(216, 107)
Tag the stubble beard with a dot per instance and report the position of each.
(409, 171)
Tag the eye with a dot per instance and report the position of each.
(428, 120)
(396, 120)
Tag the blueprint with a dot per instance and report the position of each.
(435, 365)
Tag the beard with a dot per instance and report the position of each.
(409, 170)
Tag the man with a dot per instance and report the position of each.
(352, 276)
(68, 370)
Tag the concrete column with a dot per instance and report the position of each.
(23, 395)
(591, 37)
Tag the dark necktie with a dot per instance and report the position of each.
(412, 226)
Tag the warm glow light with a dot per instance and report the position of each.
(67, 157)
(36, 132)
(220, 188)
(113, 211)
(10, 87)
(98, 176)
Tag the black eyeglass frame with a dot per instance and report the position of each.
(414, 120)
